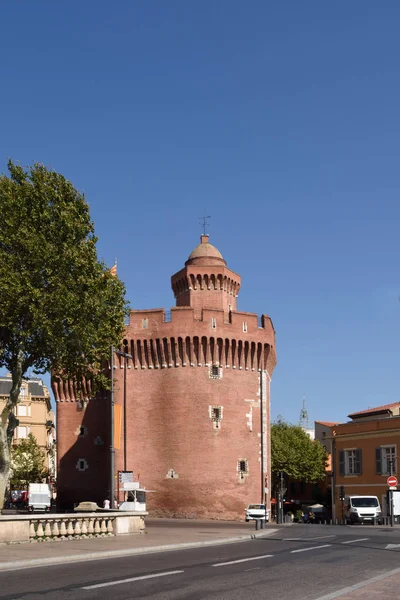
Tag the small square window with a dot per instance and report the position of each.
(244, 326)
(215, 372)
(82, 464)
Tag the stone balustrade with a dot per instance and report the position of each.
(52, 528)
(57, 527)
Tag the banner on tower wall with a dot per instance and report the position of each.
(117, 426)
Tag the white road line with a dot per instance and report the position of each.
(241, 560)
(101, 585)
(321, 537)
(354, 541)
(311, 548)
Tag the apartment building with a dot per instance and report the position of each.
(35, 415)
(364, 452)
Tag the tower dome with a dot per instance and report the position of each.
(205, 254)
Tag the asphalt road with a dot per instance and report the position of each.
(298, 563)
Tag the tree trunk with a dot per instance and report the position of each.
(6, 436)
(4, 462)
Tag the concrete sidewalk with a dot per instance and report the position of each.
(383, 586)
(160, 536)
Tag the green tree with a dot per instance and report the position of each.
(60, 307)
(295, 454)
(28, 463)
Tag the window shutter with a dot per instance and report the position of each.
(358, 465)
(341, 462)
(378, 455)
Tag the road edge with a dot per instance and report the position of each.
(103, 555)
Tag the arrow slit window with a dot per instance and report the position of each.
(243, 467)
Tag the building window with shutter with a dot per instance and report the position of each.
(386, 460)
(350, 462)
(22, 433)
(22, 410)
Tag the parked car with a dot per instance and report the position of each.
(257, 511)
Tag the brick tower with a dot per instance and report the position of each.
(193, 389)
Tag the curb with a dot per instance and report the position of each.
(102, 555)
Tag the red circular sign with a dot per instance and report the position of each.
(392, 481)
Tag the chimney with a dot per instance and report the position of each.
(204, 239)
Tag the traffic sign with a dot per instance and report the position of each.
(391, 481)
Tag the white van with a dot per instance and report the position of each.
(39, 497)
(362, 509)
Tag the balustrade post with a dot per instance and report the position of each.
(91, 528)
(70, 530)
(40, 532)
(56, 531)
(47, 529)
(78, 527)
(103, 528)
(84, 528)
(63, 529)
(96, 527)
(32, 531)
(110, 527)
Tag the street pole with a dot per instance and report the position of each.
(333, 477)
(262, 440)
(125, 367)
(281, 494)
(391, 461)
(112, 449)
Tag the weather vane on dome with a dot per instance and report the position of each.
(203, 222)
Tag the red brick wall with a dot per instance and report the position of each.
(168, 420)
(169, 427)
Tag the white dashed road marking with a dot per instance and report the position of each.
(354, 541)
(241, 560)
(311, 548)
(101, 585)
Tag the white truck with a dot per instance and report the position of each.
(39, 497)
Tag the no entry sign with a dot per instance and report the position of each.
(392, 481)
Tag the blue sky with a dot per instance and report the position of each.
(281, 120)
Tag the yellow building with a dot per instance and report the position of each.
(35, 416)
(365, 453)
